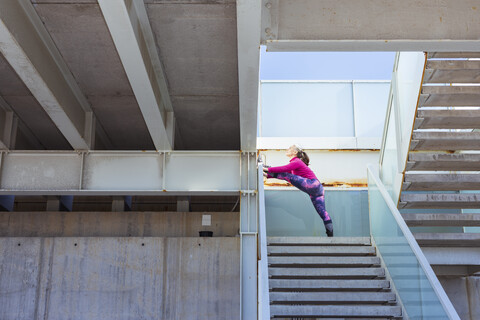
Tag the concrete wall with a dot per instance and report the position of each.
(116, 224)
(464, 292)
(119, 278)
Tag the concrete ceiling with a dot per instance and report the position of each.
(197, 45)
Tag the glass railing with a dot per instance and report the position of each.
(263, 289)
(290, 213)
(417, 286)
(402, 104)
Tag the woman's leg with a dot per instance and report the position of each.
(306, 185)
(315, 190)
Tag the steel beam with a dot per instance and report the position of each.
(28, 48)
(248, 38)
(248, 235)
(122, 173)
(370, 25)
(130, 28)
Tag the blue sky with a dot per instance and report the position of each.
(326, 65)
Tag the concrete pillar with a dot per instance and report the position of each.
(122, 203)
(183, 204)
(59, 203)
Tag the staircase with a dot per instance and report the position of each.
(443, 168)
(316, 277)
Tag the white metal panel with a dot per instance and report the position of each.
(318, 143)
(202, 171)
(370, 103)
(122, 173)
(41, 171)
(134, 171)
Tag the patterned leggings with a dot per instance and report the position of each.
(313, 188)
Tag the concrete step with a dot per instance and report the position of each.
(441, 182)
(450, 99)
(452, 55)
(442, 219)
(320, 250)
(434, 140)
(335, 311)
(326, 273)
(443, 161)
(448, 119)
(448, 239)
(327, 285)
(440, 201)
(314, 241)
(452, 71)
(326, 262)
(332, 297)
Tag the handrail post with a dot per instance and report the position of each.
(263, 289)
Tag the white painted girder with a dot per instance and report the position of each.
(248, 38)
(123, 173)
(27, 46)
(130, 28)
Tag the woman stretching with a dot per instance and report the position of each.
(301, 176)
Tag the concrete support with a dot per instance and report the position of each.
(248, 235)
(370, 25)
(120, 204)
(59, 203)
(130, 28)
(183, 204)
(119, 278)
(8, 126)
(248, 37)
(28, 48)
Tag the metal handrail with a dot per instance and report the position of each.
(422, 260)
(263, 289)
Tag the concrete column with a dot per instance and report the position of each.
(183, 204)
(59, 203)
(120, 204)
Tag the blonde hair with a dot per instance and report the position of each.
(301, 154)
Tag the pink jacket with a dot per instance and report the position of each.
(296, 167)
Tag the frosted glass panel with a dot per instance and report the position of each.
(370, 100)
(415, 290)
(306, 110)
(291, 213)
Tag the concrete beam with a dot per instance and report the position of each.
(123, 173)
(120, 204)
(8, 125)
(248, 38)
(130, 28)
(370, 25)
(28, 48)
(447, 257)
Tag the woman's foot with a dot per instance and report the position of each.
(329, 229)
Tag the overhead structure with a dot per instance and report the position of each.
(131, 32)
(28, 48)
(370, 25)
